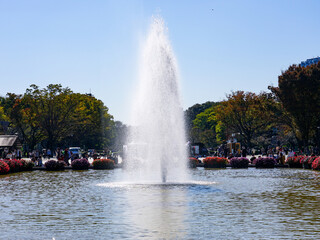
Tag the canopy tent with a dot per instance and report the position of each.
(9, 141)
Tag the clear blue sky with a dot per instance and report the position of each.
(93, 45)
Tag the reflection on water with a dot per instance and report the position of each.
(216, 204)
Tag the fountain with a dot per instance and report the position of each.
(156, 151)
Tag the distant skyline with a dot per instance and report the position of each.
(93, 46)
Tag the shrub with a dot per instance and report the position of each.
(193, 162)
(307, 162)
(80, 164)
(103, 164)
(239, 162)
(215, 162)
(53, 165)
(14, 165)
(4, 167)
(295, 162)
(316, 164)
(265, 162)
(27, 165)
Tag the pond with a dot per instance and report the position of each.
(215, 204)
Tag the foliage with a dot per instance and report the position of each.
(103, 164)
(193, 162)
(14, 164)
(80, 164)
(246, 114)
(295, 162)
(4, 167)
(204, 128)
(26, 165)
(316, 164)
(53, 165)
(299, 93)
(239, 162)
(56, 116)
(307, 161)
(215, 162)
(265, 162)
(194, 133)
(119, 131)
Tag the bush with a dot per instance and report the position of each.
(27, 165)
(53, 165)
(4, 167)
(14, 165)
(80, 164)
(295, 162)
(103, 164)
(265, 162)
(307, 162)
(215, 162)
(193, 162)
(316, 164)
(239, 162)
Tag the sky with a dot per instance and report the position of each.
(93, 46)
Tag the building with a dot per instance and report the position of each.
(310, 62)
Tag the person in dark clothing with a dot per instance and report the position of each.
(244, 152)
(66, 156)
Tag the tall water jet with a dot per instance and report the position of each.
(156, 149)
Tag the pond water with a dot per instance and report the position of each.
(215, 204)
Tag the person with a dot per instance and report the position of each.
(19, 154)
(281, 158)
(66, 156)
(244, 152)
(58, 154)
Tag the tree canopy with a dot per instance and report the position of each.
(246, 114)
(55, 116)
(299, 94)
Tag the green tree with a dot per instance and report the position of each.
(190, 115)
(299, 93)
(51, 109)
(246, 114)
(204, 128)
(93, 124)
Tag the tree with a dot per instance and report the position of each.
(299, 94)
(246, 114)
(93, 124)
(120, 132)
(191, 114)
(204, 128)
(51, 109)
(55, 116)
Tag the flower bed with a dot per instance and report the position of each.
(80, 164)
(103, 164)
(4, 167)
(215, 162)
(27, 165)
(14, 165)
(53, 165)
(307, 161)
(265, 162)
(316, 164)
(239, 162)
(295, 162)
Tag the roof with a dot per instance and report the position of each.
(7, 140)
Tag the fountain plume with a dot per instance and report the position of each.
(156, 150)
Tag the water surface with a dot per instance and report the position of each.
(214, 204)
